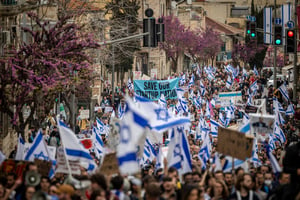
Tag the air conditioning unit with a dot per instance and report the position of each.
(5, 37)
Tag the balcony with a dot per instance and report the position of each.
(15, 7)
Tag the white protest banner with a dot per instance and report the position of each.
(108, 109)
(62, 166)
(52, 152)
(145, 77)
(137, 75)
(226, 97)
(154, 73)
(261, 125)
(97, 108)
(84, 114)
(114, 136)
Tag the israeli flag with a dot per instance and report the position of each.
(245, 73)
(279, 133)
(129, 84)
(160, 119)
(245, 118)
(205, 151)
(182, 104)
(98, 143)
(196, 102)
(159, 159)
(290, 110)
(229, 69)
(275, 166)
(202, 88)
(216, 162)
(214, 126)
(222, 120)
(278, 118)
(179, 151)
(227, 167)
(191, 83)
(182, 79)
(162, 101)
(207, 111)
(286, 15)
(38, 149)
(249, 100)
(101, 127)
(235, 72)
(255, 71)
(284, 92)
(254, 159)
(20, 148)
(277, 107)
(245, 128)
(254, 86)
(131, 131)
(149, 151)
(272, 142)
(121, 111)
(73, 148)
(228, 82)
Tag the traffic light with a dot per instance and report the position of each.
(248, 31)
(160, 30)
(252, 30)
(278, 35)
(290, 40)
(149, 26)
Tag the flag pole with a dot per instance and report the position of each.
(67, 161)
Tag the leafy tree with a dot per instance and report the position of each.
(37, 71)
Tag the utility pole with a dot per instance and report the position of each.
(275, 50)
(295, 70)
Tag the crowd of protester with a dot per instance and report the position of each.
(256, 182)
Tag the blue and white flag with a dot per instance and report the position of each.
(38, 149)
(254, 86)
(132, 130)
(290, 110)
(179, 151)
(149, 151)
(101, 126)
(98, 143)
(245, 73)
(277, 107)
(182, 79)
(284, 92)
(207, 110)
(222, 120)
(245, 128)
(20, 148)
(272, 141)
(205, 151)
(278, 118)
(129, 84)
(254, 159)
(202, 89)
(214, 126)
(275, 165)
(245, 118)
(73, 148)
(255, 71)
(162, 101)
(228, 82)
(191, 83)
(216, 162)
(279, 133)
(227, 167)
(249, 100)
(160, 119)
(121, 110)
(159, 158)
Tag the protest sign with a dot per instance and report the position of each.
(52, 152)
(154, 73)
(145, 77)
(62, 166)
(152, 89)
(110, 164)
(226, 97)
(137, 75)
(261, 125)
(108, 109)
(84, 114)
(234, 143)
(43, 166)
(114, 137)
(87, 143)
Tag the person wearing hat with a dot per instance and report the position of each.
(65, 192)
